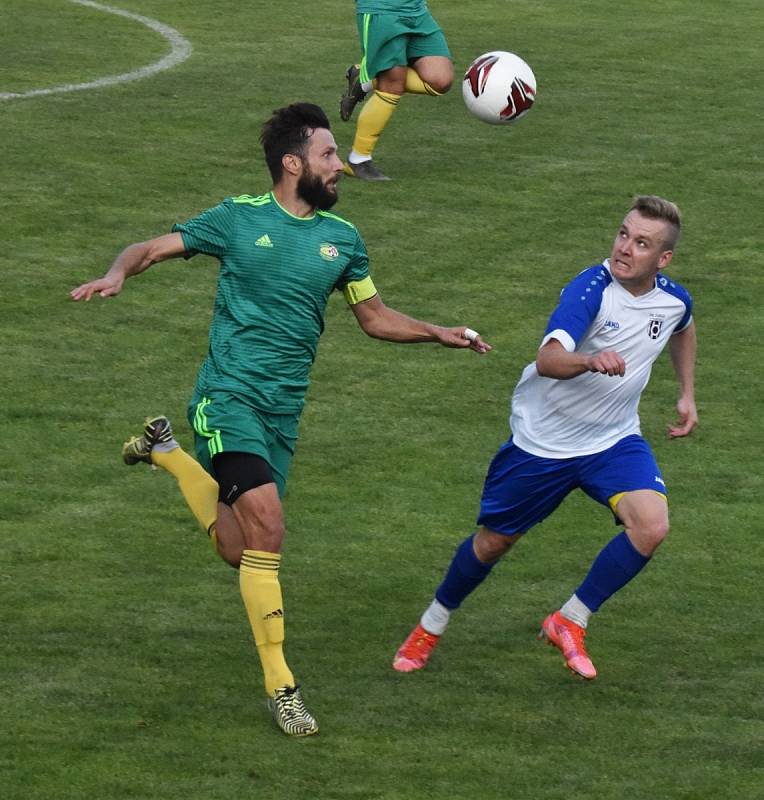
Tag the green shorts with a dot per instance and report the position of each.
(224, 422)
(388, 40)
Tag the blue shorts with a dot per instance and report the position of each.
(521, 489)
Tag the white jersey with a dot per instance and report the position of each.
(587, 414)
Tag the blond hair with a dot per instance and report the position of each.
(654, 207)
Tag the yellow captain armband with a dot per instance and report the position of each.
(359, 291)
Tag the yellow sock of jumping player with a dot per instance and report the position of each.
(376, 113)
(261, 593)
(415, 85)
(199, 488)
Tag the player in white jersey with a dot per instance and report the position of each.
(575, 425)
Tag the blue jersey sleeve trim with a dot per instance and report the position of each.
(579, 303)
(677, 290)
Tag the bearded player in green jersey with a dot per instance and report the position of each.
(404, 51)
(281, 255)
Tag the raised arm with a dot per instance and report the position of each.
(683, 347)
(381, 322)
(133, 260)
(554, 361)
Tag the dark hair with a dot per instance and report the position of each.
(288, 131)
(654, 207)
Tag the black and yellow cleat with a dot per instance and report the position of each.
(156, 430)
(136, 450)
(365, 171)
(355, 93)
(289, 713)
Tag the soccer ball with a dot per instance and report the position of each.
(499, 87)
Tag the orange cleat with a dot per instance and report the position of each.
(568, 637)
(415, 651)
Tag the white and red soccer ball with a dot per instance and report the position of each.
(499, 87)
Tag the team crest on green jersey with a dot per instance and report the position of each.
(328, 252)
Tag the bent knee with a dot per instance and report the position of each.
(659, 531)
(442, 84)
(436, 71)
(648, 535)
(490, 546)
(440, 79)
(656, 528)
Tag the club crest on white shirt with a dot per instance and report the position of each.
(654, 327)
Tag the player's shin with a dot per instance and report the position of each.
(261, 593)
(372, 120)
(464, 575)
(615, 565)
(198, 487)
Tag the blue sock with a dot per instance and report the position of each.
(466, 573)
(617, 563)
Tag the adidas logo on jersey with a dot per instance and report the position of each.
(264, 241)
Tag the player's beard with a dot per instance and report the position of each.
(314, 192)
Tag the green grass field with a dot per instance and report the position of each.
(128, 669)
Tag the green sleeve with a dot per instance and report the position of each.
(210, 232)
(358, 266)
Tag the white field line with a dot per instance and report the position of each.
(181, 50)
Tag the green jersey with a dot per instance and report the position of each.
(276, 274)
(402, 8)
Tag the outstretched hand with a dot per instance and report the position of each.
(688, 419)
(105, 287)
(463, 337)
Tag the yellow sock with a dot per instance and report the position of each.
(199, 488)
(415, 85)
(261, 592)
(376, 113)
